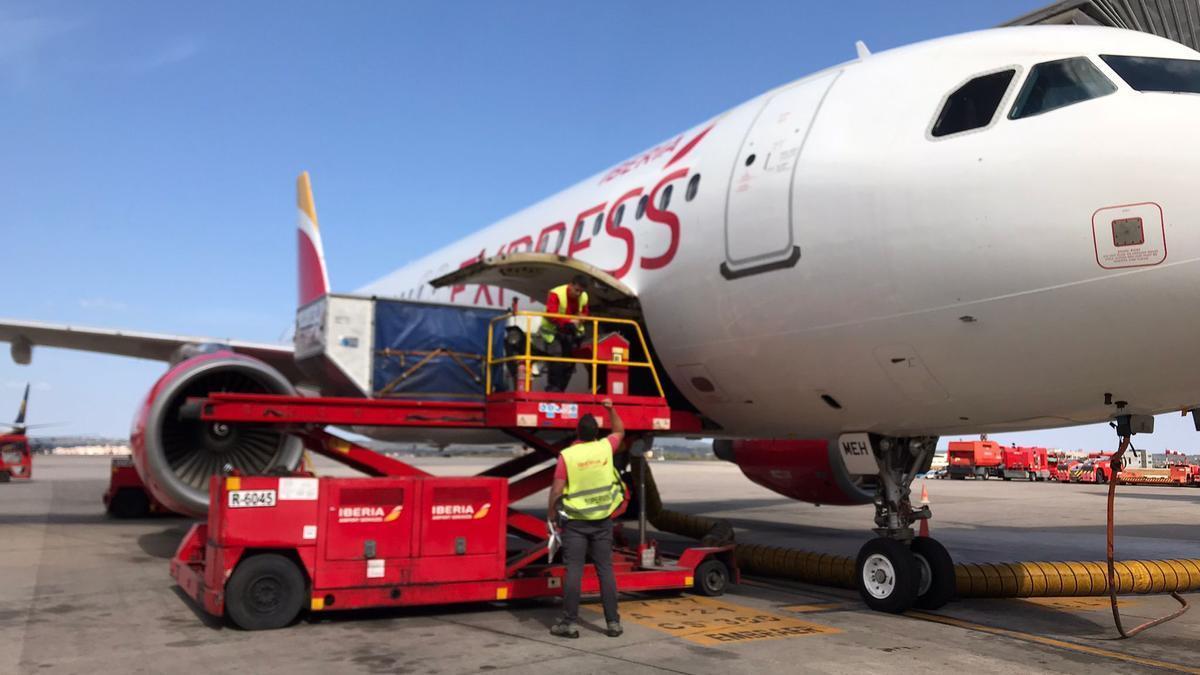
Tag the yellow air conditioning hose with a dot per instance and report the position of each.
(974, 580)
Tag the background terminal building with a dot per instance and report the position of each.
(1178, 20)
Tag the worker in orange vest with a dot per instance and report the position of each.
(590, 491)
(561, 335)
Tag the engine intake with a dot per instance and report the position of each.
(175, 456)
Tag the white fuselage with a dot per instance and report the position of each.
(943, 285)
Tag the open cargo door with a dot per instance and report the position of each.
(534, 274)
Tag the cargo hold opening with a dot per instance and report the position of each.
(533, 274)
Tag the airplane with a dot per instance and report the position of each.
(963, 235)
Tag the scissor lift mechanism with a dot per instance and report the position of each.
(207, 561)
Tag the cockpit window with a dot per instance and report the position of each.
(973, 105)
(1145, 73)
(1055, 84)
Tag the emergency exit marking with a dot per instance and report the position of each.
(712, 622)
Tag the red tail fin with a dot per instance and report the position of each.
(310, 255)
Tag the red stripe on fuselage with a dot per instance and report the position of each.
(688, 148)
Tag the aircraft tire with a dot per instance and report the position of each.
(887, 575)
(937, 585)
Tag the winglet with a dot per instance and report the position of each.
(21, 411)
(861, 48)
(310, 255)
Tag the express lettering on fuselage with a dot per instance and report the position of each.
(615, 218)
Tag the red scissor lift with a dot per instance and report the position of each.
(275, 545)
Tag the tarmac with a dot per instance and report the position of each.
(81, 593)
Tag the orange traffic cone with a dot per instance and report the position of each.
(924, 530)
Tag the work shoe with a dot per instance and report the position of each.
(614, 629)
(567, 630)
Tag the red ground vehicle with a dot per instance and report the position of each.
(1093, 469)
(16, 461)
(1176, 474)
(1022, 462)
(275, 545)
(127, 496)
(973, 459)
(1058, 466)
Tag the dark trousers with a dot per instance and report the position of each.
(559, 374)
(580, 538)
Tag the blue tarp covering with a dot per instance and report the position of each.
(406, 333)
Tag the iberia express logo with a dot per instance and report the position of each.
(369, 514)
(460, 511)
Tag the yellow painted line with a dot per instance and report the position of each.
(1084, 604)
(819, 607)
(1052, 642)
(710, 622)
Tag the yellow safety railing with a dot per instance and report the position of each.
(528, 357)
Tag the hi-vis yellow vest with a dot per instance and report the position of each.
(547, 327)
(594, 489)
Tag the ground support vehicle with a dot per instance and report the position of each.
(1176, 475)
(127, 496)
(273, 545)
(1024, 463)
(973, 459)
(16, 461)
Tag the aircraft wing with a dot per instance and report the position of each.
(24, 335)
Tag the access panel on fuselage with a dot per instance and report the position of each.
(759, 233)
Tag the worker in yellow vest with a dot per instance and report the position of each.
(591, 490)
(561, 335)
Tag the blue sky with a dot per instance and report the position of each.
(150, 148)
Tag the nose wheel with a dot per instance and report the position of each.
(893, 576)
(888, 576)
(938, 585)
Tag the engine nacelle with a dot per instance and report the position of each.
(807, 470)
(176, 457)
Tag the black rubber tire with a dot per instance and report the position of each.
(129, 503)
(907, 576)
(710, 578)
(265, 592)
(5, 477)
(941, 567)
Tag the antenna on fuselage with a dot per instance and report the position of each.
(861, 48)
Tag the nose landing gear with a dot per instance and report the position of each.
(898, 570)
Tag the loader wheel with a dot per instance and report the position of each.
(711, 578)
(937, 585)
(265, 592)
(887, 575)
(5, 477)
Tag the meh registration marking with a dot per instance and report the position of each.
(713, 622)
(243, 499)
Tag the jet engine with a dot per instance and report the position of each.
(807, 470)
(175, 457)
